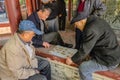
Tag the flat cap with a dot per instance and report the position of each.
(27, 25)
(79, 17)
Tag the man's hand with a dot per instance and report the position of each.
(60, 15)
(37, 71)
(69, 61)
(46, 44)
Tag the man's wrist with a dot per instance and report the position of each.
(37, 71)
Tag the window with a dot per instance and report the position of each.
(3, 12)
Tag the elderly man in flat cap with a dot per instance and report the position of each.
(17, 56)
(99, 42)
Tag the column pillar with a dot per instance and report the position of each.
(69, 10)
(29, 6)
(14, 13)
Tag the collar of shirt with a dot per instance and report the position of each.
(36, 17)
(38, 20)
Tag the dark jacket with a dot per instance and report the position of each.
(54, 7)
(92, 7)
(62, 8)
(100, 42)
(37, 40)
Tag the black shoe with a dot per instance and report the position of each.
(67, 45)
(77, 47)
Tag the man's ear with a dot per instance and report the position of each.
(25, 35)
(81, 24)
(80, 28)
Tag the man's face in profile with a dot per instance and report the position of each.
(45, 14)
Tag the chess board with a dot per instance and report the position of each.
(62, 52)
(59, 70)
(62, 71)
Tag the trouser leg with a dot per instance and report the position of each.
(53, 25)
(60, 23)
(44, 68)
(78, 38)
(36, 77)
(63, 22)
(56, 25)
(53, 38)
(87, 68)
(50, 25)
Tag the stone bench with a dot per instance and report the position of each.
(106, 75)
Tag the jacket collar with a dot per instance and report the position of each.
(23, 41)
(22, 44)
(20, 41)
(91, 19)
(36, 17)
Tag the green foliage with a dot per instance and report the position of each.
(22, 2)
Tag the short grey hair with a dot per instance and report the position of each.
(19, 31)
(43, 8)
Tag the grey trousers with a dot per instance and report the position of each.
(53, 25)
(53, 38)
(86, 69)
(37, 77)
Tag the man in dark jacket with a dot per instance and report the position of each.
(62, 14)
(88, 7)
(99, 42)
(52, 20)
(38, 17)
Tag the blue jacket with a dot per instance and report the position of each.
(37, 39)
